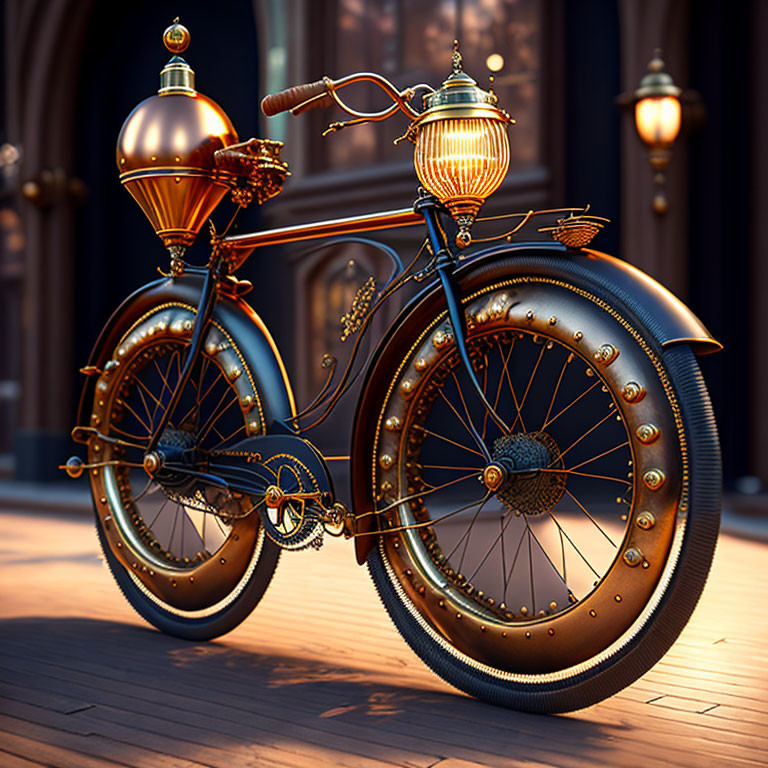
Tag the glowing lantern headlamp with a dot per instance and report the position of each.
(462, 149)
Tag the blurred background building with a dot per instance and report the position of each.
(73, 243)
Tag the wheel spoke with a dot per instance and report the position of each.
(570, 541)
(570, 405)
(527, 390)
(584, 510)
(557, 388)
(447, 440)
(582, 436)
(599, 455)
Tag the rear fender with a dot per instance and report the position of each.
(234, 314)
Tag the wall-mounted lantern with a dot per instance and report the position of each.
(657, 120)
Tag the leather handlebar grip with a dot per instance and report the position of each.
(291, 97)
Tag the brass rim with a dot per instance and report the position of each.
(541, 616)
(169, 533)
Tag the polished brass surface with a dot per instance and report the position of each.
(493, 476)
(237, 248)
(252, 170)
(74, 466)
(462, 150)
(165, 155)
(176, 38)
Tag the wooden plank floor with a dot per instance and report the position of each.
(319, 677)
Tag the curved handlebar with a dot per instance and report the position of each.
(323, 93)
(291, 97)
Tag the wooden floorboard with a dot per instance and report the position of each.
(318, 676)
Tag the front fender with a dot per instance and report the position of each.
(670, 321)
(657, 308)
(236, 315)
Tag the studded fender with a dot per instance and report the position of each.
(234, 314)
(633, 292)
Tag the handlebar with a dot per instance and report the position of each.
(292, 97)
(323, 93)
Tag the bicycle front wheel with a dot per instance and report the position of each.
(571, 577)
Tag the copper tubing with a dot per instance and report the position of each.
(239, 247)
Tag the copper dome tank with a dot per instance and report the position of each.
(165, 150)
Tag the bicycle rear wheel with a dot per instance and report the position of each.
(191, 558)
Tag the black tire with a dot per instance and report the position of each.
(196, 629)
(675, 596)
(204, 586)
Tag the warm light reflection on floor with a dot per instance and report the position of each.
(319, 676)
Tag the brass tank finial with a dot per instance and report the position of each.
(176, 38)
(177, 76)
(457, 60)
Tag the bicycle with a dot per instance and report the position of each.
(534, 463)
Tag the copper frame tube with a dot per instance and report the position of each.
(237, 248)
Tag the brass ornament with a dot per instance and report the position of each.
(176, 38)
(166, 148)
(633, 392)
(605, 354)
(633, 557)
(353, 320)
(647, 433)
(654, 479)
(646, 520)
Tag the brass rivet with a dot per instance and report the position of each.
(504, 634)
(458, 616)
(253, 427)
(654, 479)
(392, 423)
(246, 402)
(528, 635)
(420, 364)
(553, 320)
(646, 520)
(222, 560)
(605, 354)
(482, 628)
(441, 603)
(406, 388)
(633, 392)
(647, 433)
(173, 583)
(119, 544)
(592, 614)
(633, 557)
(385, 461)
(524, 611)
(553, 606)
(529, 315)
(617, 598)
(550, 631)
(578, 336)
(192, 579)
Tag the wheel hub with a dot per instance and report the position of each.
(527, 462)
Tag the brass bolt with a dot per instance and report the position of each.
(385, 461)
(646, 520)
(550, 631)
(617, 598)
(593, 613)
(527, 635)
(578, 336)
(524, 611)
(633, 557)
(553, 606)
(647, 433)
(406, 388)
(392, 423)
(420, 364)
(553, 320)
(633, 392)
(529, 315)
(654, 479)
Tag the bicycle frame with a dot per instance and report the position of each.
(231, 252)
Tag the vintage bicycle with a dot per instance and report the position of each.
(534, 464)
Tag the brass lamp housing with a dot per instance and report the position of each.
(462, 149)
(165, 151)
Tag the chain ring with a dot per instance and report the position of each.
(289, 526)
